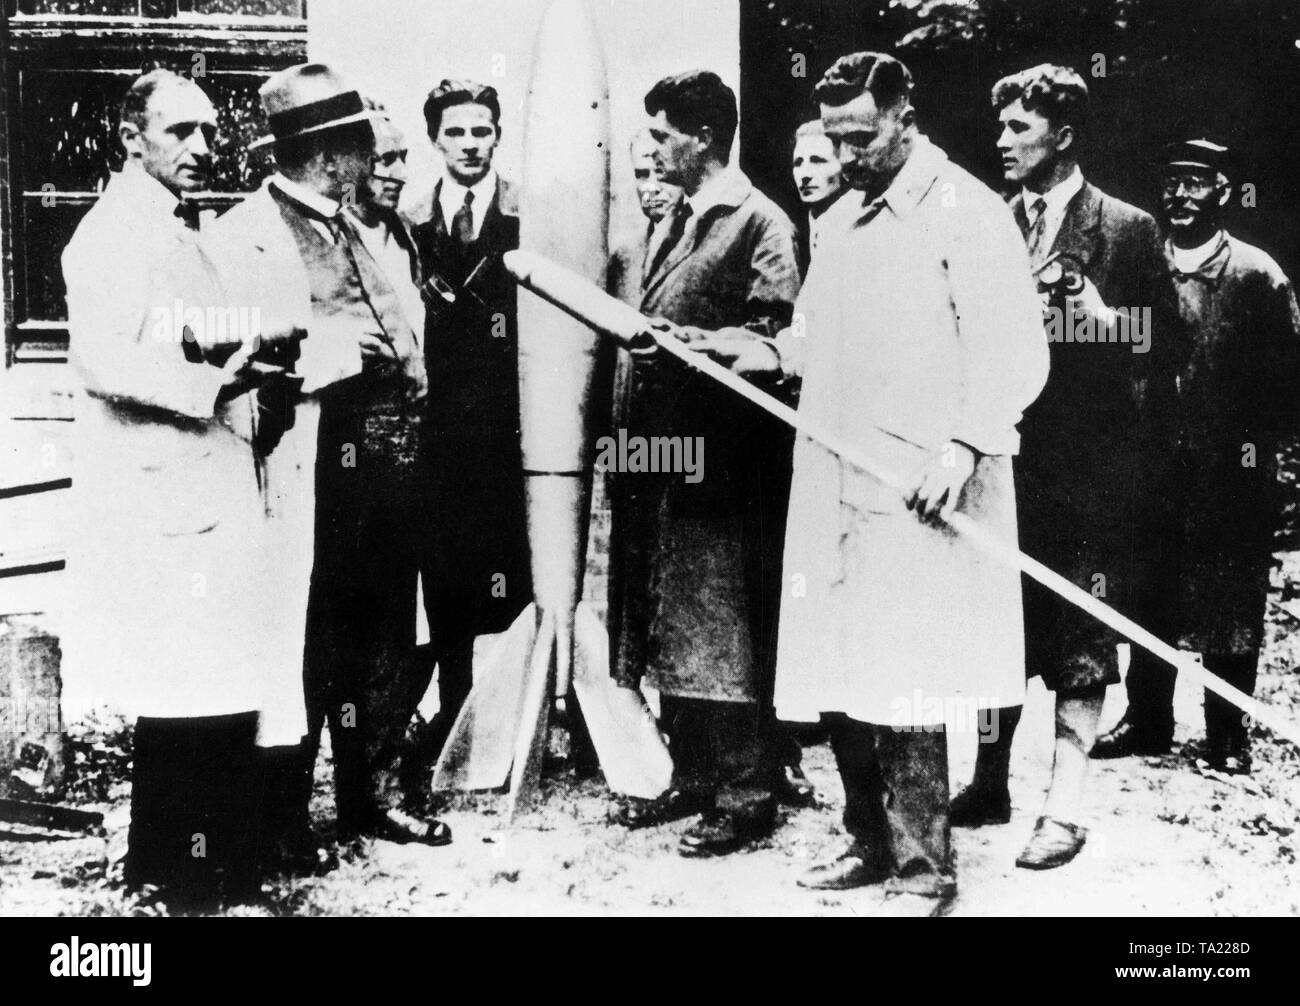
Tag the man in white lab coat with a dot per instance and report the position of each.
(922, 344)
(169, 613)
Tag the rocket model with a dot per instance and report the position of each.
(557, 649)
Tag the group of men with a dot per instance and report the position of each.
(265, 498)
(1109, 397)
(265, 480)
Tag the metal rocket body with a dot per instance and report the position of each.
(557, 648)
(564, 215)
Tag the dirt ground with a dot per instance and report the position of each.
(1166, 838)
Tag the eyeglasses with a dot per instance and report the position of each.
(389, 158)
(1192, 184)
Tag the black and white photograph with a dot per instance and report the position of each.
(651, 458)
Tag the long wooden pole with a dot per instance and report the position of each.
(583, 300)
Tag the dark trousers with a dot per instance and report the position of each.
(724, 751)
(1150, 688)
(362, 672)
(896, 799)
(194, 804)
(453, 618)
(1226, 729)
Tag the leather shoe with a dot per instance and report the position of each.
(1128, 739)
(848, 870)
(674, 805)
(793, 788)
(1053, 843)
(719, 833)
(907, 905)
(403, 828)
(975, 806)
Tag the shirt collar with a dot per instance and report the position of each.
(148, 190)
(1059, 195)
(914, 179)
(729, 187)
(323, 206)
(1211, 261)
(452, 192)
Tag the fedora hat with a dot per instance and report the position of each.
(306, 99)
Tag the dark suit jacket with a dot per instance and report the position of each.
(475, 472)
(1096, 457)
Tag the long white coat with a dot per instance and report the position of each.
(918, 323)
(167, 617)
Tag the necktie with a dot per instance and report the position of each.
(1034, 236)
(188, 213)
(676, 228)
(462, 224)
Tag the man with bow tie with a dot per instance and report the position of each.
(173, 612)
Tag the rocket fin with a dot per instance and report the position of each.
(481, 745)
(623, 731)
(533, 718)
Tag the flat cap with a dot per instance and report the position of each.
(1199, 153)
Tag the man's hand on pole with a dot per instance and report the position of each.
(937, 484)
(740, 351)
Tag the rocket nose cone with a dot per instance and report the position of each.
(568, 96)
(563, 216)
(569, 32)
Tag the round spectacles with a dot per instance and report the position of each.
(1194, 185)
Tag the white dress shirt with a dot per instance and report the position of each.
(313, 200)
(451, 197)
(1057, 199)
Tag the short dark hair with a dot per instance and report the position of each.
(696, 99)
(888, 80)
(135, 103)
(459, 92)
(1057, 93)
